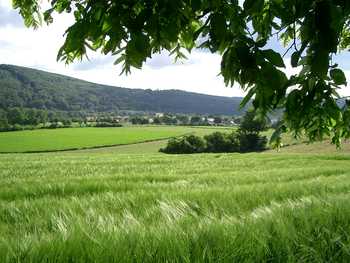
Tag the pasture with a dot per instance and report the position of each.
(87, 207)
(82, 138)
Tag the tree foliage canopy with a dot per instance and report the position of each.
(311, 30)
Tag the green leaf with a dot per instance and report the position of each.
(338, 76)
(218, 26)
(320, 63)
(253, 6)
(295, 59)
(276, 139)
(247, 98)
(274, 57)
(261, 43)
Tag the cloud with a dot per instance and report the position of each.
(9, 17)
(164, 59)
(4, 44)
(93, 63)
(200, 77)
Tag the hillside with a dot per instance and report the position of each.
(30, 88)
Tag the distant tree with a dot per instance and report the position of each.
(139, 120)
(4, 125)
(217, 120)
(32, 117)
(251, 142)
(196, 120)
(16, 116)
(67, 122)
(157, 120)
(251, 123)
(249, 132)
(169, 119)
(183, 119)
(237, 120)
(42, 116)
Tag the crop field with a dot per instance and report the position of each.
(88, 207)
(80, 138)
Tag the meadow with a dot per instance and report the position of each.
(107, 207)
(82, 138)
(130, 203)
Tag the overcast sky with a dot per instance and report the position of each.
(38, 49)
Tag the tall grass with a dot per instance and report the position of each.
(156, 208)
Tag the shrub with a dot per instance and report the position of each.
(222, 142)
(108, 124)
(217, 142)
(186, 144)
(5, 126)
(251, 142)
(251, 123)
(17, 127)
(55, 125)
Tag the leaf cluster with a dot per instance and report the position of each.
(311, 30)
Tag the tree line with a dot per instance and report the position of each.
(246, 138)
(17, 118)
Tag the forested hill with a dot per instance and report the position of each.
(30, 88)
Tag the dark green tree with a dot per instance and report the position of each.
(249, 132)
(252, 123)
(16, 116)
(157, 120)
(4, 125)
(42, 116)
(196, 120)
(313, 31)
(217, 120)
(32, 117)
(169, 119)
(183, 119)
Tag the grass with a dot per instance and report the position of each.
(87, 207)
(80, 138)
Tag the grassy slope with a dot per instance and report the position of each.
(190, 208)
(317, 147)
(73, 138)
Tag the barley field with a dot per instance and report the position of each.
(88, 207)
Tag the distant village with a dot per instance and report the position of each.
(27, 119)
(167, 119)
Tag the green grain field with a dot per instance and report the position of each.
(81, 138)
(105, 207)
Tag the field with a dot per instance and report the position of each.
(130, 203)
(80, 138)
(87, 207)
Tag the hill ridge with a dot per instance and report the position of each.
(33, 88)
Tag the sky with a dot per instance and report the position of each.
(38, 49)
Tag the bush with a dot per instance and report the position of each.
(5, 127)
(251, 142)
(108, 124)
(55, 125)
(139, 120)
(222, 142)
(186, 144)
(217, 142)
(251, 123)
